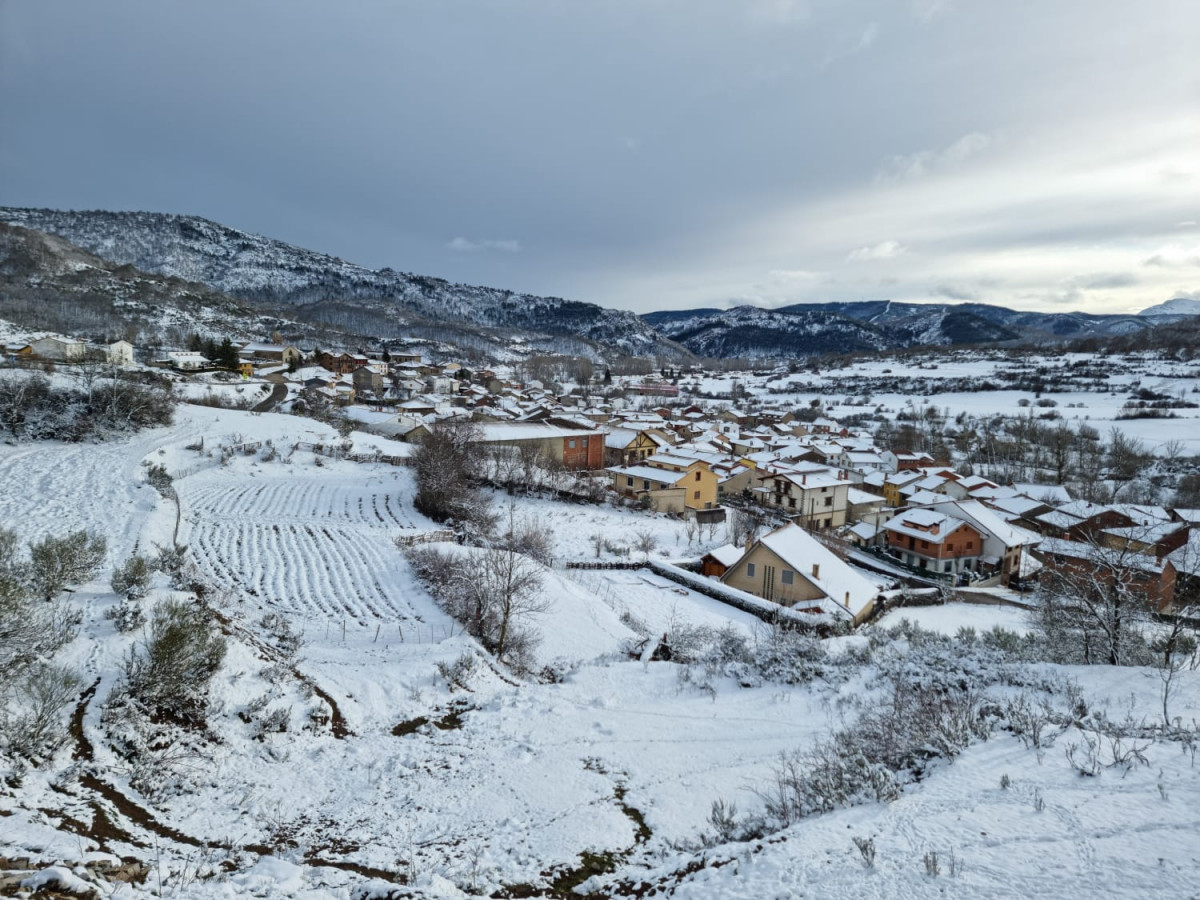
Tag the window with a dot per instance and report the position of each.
(947, 568)
(584, 443)
(949, 548)
(924, 545)
(571, 443)
(829, 501)
(697, 476)
(829, 523)
(645, 484)
(750, 570)
(629, 481)
(792, 502)
(787, 576)
(695, 495)
(970, 545)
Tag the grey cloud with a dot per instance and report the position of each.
(953, 292)
(462, 245)
(646, 154)
(1105, 281)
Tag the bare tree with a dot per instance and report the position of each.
(1177, 652)
(1092, 600)
(492, 592)
(645, 542)
(511, 583)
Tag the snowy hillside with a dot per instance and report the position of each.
(49, 284)
(752, 332)
(812, 328)
(1180, 306)
(325, 288)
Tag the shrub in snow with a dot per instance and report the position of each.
(791, 657)
(458, 673)
(172, 561)
(168, 674)
(32, 408)
(283, 636)
(132, 578)
(33, 710)
(866, 849)
(29, 633)
(127, 616)
(56, 562)
(871, 760)
(933, 662)
(160, 479)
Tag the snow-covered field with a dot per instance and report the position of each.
(390, 773)
(921, 380)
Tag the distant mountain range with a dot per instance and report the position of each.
(316, 288)
(811, 328)
(190, 273)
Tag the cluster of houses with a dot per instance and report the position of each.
(910, 512)
(905, 511)
(68, 350)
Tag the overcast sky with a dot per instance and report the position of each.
(649, 154)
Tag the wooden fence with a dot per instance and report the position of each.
(334, 451)
(425, 537)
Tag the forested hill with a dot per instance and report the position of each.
(319, 287)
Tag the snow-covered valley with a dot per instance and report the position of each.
(392, 780)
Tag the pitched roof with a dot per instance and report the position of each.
(848, 590)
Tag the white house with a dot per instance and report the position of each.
(186, 360)
(120, 353)
(57, 348)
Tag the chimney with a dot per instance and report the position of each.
(816, 570)
(846, 602)
(804, 479)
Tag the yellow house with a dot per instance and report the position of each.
(893, 483)
(667, 491)
(790, 567)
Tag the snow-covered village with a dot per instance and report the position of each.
(710, 451)
(368, 622)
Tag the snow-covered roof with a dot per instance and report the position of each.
(648, 473)
(1058, 519)
(924, 498)
(856, 496)
(926, 524)
(727, 554)
(1051, 493)
(532, 431)
(1017, 506)
(1082, 509)
(1143, 513)
(864, 531)
(848, 590)
(619, 438)
(1187, 558)
(990, 523)
(1146, 534)
(1106, 556)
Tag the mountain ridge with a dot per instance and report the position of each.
(320, 287)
